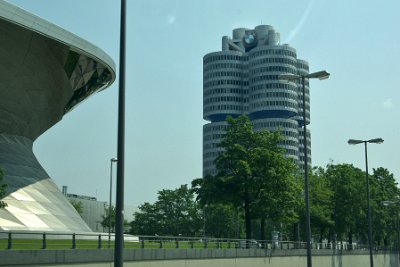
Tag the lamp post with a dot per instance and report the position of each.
(356, 142)
(292, 77)
(119, 203)
(110, 201)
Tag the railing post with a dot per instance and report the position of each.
(192, 244)
(9, 241)
(176, 243)
(205, 243)
(161, 243)
(142, 243)
(73, 241)
(44, 241)
(99, 245)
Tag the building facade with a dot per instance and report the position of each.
(92, 210)
(243, 79)
(45, 72)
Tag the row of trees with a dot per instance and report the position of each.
(257, 190)
(178, 213)
(338, 211)
(174, 213)
(339, 204)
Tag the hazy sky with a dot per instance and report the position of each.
(358, 42)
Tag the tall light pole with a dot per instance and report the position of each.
(356, 142)
(293, 77)
(119, 203)
(110, 201)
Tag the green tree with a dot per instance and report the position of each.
(339, 204)
(278, 191)
(78, 206)
(252, 174)
(146, 221)
(174, 213)
(349, 206)
(321, 205)
(3, 190)
(221, 221)
(385, 219)
(107, 218)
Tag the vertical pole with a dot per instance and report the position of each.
(73, 241)
(204, 221)
(109, 206)
(369, 208)
(308, 223)
(44, 245)
(119, 207)
(9, 246)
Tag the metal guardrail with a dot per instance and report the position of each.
(51, 240)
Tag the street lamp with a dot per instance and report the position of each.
(356, 142)
(109, 203)
(292, 77)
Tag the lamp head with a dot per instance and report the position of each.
(113, 160)
(354, 141)
(376, 141)
(322, 75)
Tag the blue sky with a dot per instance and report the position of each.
(356, 41)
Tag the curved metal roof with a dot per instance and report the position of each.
(34, 23)
(45, 71)
(79, 48)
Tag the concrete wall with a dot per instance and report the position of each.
(195, 258)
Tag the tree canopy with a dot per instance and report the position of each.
(252, 174)
(338, 201)
(321, 205)
(108, 217)
(174, 213)
(385, 205)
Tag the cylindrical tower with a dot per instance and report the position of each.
(224, 94)
(45, 72)
(243, 79)
(273, 103)
(222, 85)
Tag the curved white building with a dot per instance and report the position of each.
(243, 79)
(45, 72)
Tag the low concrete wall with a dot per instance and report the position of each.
(195, 258)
